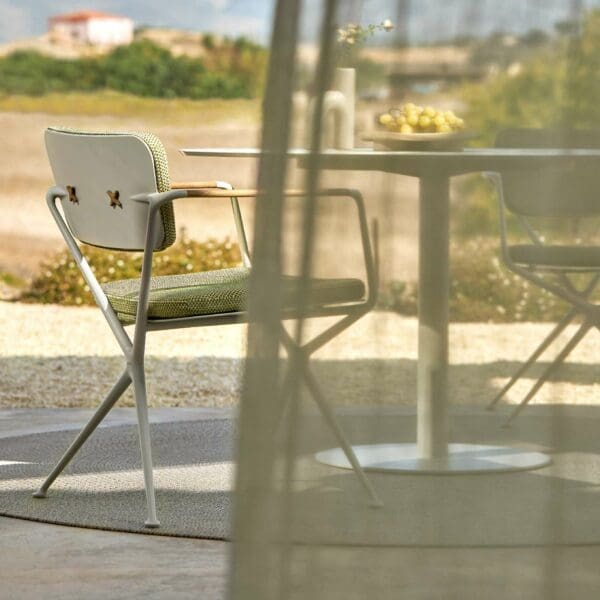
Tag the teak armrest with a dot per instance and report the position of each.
(193, 185)
(200, 189)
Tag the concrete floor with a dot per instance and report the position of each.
(70, 563)
(37, 559)
(52, 561)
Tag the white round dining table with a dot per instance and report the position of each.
(433, 452)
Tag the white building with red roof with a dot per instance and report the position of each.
(92, 27)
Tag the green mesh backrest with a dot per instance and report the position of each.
(566, 190)
(102, 171)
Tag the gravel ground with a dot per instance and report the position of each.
(53, 356)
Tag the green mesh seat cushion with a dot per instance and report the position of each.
(557, 257)
(214, 292)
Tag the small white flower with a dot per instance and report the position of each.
(387, 25)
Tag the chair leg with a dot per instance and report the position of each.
(115, 393)
(292, 348)
(562, 356)
(329, 416)
(139, 383)
(561, 325)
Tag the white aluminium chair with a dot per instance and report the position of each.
(566, 195)
(115, 193)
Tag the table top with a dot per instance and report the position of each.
(419, 163)
(367, 152)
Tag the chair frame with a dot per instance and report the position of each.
(134, 349)
(577, 298)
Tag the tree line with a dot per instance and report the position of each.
(142, 68)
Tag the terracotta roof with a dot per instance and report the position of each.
(84, 15)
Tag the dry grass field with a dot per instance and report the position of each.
(29, 234)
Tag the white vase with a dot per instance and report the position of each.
(338, 111)
(344, 81)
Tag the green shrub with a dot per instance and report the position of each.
(481, 289)
(557, 87)
(582, 101)
(59, 280)
(208, 41)
(219, 85)
(11, 279)
(31, 73)
(475, 211)
(143, 69)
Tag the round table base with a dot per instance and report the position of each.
(461, 459)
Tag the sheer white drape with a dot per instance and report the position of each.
(303, 529)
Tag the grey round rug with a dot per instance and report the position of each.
(103, 487)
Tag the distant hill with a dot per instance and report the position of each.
(178, 41)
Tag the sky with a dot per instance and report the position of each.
(26, 18)
(424, 20)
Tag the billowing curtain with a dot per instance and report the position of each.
(350, 294)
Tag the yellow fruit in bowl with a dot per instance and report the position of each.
(439, 120)
(451, 119)
(424, 121)
(385, 119)
(412, 119)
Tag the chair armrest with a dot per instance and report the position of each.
(355, 195)
(237, 193)
(179, 190)
(194, 185)
(224, 190)
(211, 192)
(218, 190)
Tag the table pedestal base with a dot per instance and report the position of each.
(461, 459)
